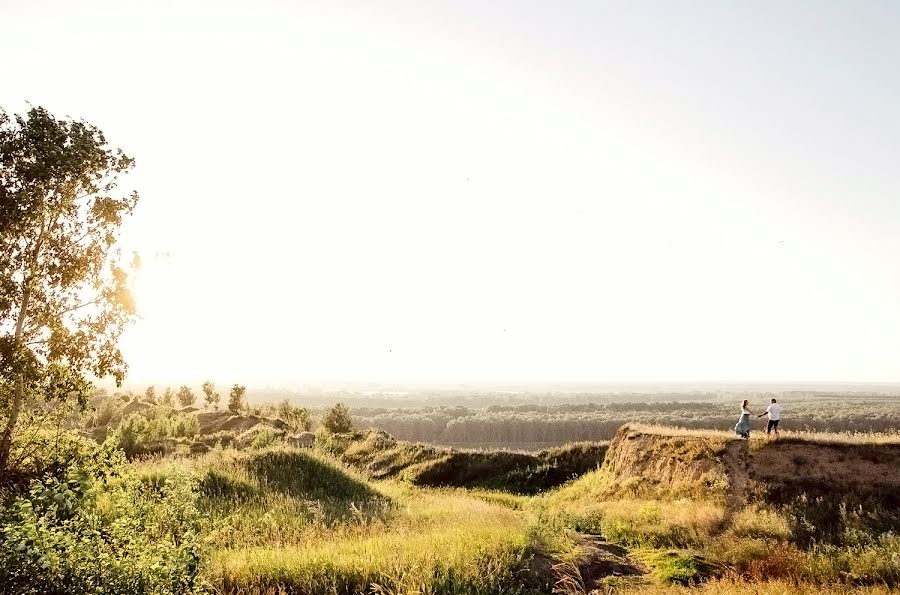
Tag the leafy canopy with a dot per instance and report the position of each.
(64, 295)
(236, 398)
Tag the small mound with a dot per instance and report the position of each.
(135, 406)
(301, 474)
(219, 421)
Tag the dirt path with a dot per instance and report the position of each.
(597, 559)
(737, 467)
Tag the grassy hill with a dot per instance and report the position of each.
(382, 457)
(656, 511)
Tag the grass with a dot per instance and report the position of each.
(380, 457)
(834, 438)
(275, 496)
(488, 558)
(438, 541)
(653, 494)
(739, 587)
(283, 520)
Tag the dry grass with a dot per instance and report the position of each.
(759, 438)
(677, 431)
(738, 587)
(872, 438)
(440, 541)
(756, 521)
(285, 520)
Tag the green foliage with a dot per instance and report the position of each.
(264, 437)
(337, 420)
(64, 298)
(382, 457)
(186, 396)
(142, 434)
(38, 451)
(168, 398)
(210, 395)
(678, 567)
(150, 394)
(98, 529)
(297, 418)
(236, 397)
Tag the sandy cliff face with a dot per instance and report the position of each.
(677, 463)
(825, 486)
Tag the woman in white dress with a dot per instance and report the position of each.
(742, 428)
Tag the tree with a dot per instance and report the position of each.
(236, 398)
(297, 418)
(186, 396)
(64, 295)
(150, 394)
(168, 398)
(338, 420)
(210, 394)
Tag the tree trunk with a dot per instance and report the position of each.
(19, 396)
(6, 442)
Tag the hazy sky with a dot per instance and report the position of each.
(493, 190)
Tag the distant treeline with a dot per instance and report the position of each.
(532, 424)
(475, 399)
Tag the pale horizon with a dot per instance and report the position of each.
(414, 193)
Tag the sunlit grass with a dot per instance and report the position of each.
(873, 438)
(272, 529)
(760, 522)
(439, 541)
(739, 587)
(294, 521)
(662, 430)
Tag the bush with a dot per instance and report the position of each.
(297, 418)
(100, 529)
(264, 437)
(338, 420)
(146, 433)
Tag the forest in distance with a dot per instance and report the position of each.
(541, 426)
(534, 421)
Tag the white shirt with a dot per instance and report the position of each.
(774, 411)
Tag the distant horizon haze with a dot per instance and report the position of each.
(599, 388)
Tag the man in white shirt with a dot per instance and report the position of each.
(774, 413)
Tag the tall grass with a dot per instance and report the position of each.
(298, 522)
(739, 587)
(436, 542)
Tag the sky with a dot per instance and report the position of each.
(487, 191)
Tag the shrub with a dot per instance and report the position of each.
(338, 420)
(186, 396)
(186, 426)
(264, 437)
(297, 418)
(89, 532)
(236, 398)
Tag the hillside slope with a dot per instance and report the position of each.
(380, 456)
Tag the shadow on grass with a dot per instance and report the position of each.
(301, 475)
